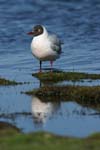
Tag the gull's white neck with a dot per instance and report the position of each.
(40, 43)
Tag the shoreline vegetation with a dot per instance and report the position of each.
(12, 139)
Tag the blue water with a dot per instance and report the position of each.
(77, 23)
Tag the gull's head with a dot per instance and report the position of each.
(37, 30)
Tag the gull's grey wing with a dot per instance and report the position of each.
(55, 43)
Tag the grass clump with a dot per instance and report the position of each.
(44, 141)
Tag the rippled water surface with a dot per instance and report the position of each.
(77, 23)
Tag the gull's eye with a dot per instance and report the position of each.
(39, 30)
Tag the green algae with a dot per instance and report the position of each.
(63, 76)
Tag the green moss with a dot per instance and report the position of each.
(44, 141)
(62, 76)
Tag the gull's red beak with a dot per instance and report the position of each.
(30, 33)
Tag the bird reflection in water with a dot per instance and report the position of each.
(42, 111)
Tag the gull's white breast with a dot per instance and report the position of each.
(41, 48)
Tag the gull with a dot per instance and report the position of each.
(45, 46)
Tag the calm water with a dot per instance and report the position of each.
(77, 22)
